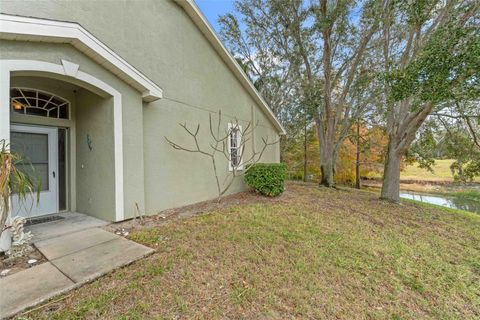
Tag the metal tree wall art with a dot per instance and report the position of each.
(228, 144)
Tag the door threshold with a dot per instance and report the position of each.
(43, 219)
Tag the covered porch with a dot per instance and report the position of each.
(69, 140)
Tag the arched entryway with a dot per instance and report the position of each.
(44, 106)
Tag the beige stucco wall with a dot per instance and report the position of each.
(159, 39)
(95, 167)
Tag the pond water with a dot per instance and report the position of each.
(449, 201)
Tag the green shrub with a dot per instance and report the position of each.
(266, 178)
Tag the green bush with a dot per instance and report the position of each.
(266, 178)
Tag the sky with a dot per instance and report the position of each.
(214, 8)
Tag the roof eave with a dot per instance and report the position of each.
(201, 22)
(44, 30)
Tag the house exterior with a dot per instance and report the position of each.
(90, 89)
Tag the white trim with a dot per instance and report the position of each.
(239, 149)
(4, 104)
(42, 30)
(8, 66)
(202, 23)
(70, 68)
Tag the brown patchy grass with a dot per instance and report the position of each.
(311, 253)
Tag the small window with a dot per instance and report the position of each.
(235, 147)
(38, 103)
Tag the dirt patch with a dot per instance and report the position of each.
(188, 211)
(12, 265)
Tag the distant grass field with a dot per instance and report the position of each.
(441, 172)
(422, 180)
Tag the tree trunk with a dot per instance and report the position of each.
(327, 154)
(460, 170)
(391, 175)
(327, 164)
(305, 155)
(358, 182)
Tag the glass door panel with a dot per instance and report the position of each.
(38, 149)
(33, 151)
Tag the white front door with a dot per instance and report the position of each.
(38, 149)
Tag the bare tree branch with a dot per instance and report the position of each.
(219, 146)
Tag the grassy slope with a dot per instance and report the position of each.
(312, 253)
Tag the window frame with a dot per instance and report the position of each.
(65, 103)
(232, 126)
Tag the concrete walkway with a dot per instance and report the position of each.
(74, 258)
(71, 222)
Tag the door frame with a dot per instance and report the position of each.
(51, 195)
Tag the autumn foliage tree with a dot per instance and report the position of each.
(372, 148)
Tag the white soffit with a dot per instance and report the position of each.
(42, 30)
(201, 22)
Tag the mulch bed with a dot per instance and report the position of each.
(17, 264)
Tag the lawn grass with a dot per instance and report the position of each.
(441, 172)
(312, 253)
(470, 194)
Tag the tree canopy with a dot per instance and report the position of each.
(330, 64)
